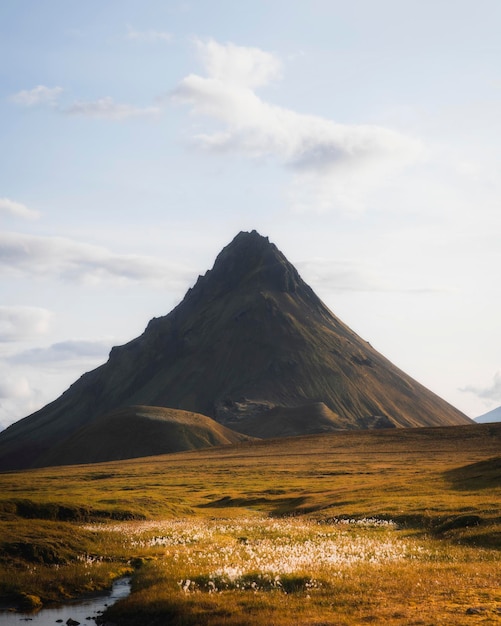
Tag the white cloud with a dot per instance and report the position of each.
(148, 36)
(19, 322)
(17, 209)
(17, 395)
(492, 392)
(337, 159)
(82, 262)
(64, 351)
(14, 387)
(32, 378)
(107, 108)
(38, 95)
(103, 108)
(238, 65)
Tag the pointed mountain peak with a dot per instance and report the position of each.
(246, 238)
(250, 261)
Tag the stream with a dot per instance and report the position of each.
(84, 612)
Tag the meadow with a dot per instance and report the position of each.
(394, 526)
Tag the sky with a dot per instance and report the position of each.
(140, 136)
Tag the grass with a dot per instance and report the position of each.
(397, 526)
(44, 562)
(296, 571)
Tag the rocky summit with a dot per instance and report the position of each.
(251, 347)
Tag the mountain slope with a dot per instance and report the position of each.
(283, 421)
(250, 336)
(140, 431)
(490, 416)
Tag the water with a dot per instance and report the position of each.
(78, 611)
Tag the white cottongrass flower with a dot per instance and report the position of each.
(261, 553)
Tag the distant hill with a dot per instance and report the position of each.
(140, 431)
(490, 416)
(250, 346)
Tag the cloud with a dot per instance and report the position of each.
(63, 351)
(17, 395)
(148, 36)
(19, 322)
(343, 275)
(14, 386)
(107, 108)
(319, 152)
(103, 108)
(32, 378)
(493, 392)
(40, 95)
(238, 65)
(17, 209)
(82, 262)
(350, 275)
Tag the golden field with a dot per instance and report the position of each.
(400, 526)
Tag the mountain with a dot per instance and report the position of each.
(249, 345)
(490, 416)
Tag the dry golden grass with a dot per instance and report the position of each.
(402, 595)
(257, 570)
(442, 487)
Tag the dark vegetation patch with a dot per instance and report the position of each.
(255, 581)
(251, 502)
(483, 531)
(101, 475)
(437, 524)
(28, 509)
(32, 552)
(42, 543)
(481, 475)
(280, 506)
(459, 522)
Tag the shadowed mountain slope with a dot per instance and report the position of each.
(140, 431)
(250, 337)
(283, 421)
